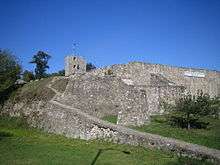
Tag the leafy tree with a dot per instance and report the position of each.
(90, 66)
(10, 70)
(28, 76)
(61, 72)
(190, 108)
(41, 60)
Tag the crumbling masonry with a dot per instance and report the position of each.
(135, 91)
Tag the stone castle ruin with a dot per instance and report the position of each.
(131, 92)
(134, 91)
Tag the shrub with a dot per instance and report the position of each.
(109, 72)
(189, 109)
(90, 66)
(28, 76)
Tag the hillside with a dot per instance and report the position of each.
(49, 104)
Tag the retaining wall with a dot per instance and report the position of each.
(57, 118)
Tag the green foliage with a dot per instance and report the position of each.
(209, 137)
(110, 118)
(36, 90)
(9, 72)
(109, 72)
(9, 69)
(90, 66)
(23, 145)
(28, 76)
(41, 60)
(190, 108)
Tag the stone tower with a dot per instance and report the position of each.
(74, 64)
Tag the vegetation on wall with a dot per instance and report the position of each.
(28, 76)
(109, 72)
(90, 66)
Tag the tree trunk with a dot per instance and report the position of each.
(188, 125)
(188, 121)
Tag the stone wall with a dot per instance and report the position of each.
(192, 79)
(106, 95)
(158, 96)
(131, 92)
(57, 118)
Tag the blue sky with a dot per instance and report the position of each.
(175, 32)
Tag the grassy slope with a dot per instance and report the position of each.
(209, 137)
(110, 118)
(36, 90)
(21, 145)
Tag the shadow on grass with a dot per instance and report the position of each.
(100, 151)
(4, 134)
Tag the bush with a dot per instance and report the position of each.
(109, 72)
(90, 66)
(189, 109)
(28, 76)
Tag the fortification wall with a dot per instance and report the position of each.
(193, 79)
(158, 96)
(56, 118)
(107, 95)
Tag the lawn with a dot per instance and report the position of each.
(110, 118)
(22, 145)
(209, 137)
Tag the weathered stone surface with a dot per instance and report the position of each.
(74, 64)
(133, 92)
(107, 95)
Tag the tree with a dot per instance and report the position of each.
(10, 70)
(28, 76)
(90, 66)
(190, 108)
(41, 60)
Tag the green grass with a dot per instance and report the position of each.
(36, 90)
(22, 145)
(209, 137)
(110, 118)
